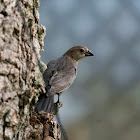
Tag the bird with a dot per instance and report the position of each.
(59, 75)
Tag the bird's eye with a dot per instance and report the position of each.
(81, 50)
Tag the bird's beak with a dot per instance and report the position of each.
(89, 53)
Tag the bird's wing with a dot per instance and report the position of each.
(59, 75)
(61, 80)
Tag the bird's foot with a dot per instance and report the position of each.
(57, 106)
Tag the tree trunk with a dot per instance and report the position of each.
(21, 40)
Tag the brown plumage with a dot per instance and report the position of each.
(59, 75)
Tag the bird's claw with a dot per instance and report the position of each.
(57, 106)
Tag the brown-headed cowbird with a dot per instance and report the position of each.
(59, 75)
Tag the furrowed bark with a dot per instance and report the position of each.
(21, 40)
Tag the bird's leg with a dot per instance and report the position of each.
(57, 105)
(58, 97)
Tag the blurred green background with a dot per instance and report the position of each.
(104, 101)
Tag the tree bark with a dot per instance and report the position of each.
(21, 40)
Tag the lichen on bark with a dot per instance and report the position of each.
(21, 40)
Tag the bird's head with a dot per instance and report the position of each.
(78, 52)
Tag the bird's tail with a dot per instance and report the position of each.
(45, 103)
